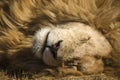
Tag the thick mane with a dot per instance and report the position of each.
(21, 13)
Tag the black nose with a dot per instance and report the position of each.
(54, 48)
(57, 45)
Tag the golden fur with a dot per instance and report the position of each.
(19, 19)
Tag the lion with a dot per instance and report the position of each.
(20, 19)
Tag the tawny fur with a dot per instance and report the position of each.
(19, 19)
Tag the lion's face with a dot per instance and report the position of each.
(73, 40)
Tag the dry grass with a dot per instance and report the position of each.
(37, 77)
(43, 72)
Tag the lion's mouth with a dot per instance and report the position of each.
(75, 62)
(45, 44)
